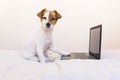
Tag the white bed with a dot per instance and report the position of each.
(14, 67)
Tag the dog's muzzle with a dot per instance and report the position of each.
(48, 25)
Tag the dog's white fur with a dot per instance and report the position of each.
(41, 41)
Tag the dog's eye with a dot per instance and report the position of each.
(53, 19)
(44, 18)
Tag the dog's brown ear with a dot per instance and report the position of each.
(58, 15)
(41, 13)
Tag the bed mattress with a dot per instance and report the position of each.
(14, 67)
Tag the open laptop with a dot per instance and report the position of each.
(94, 46)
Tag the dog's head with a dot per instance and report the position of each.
(49, 18)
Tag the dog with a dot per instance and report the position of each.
(38, 45)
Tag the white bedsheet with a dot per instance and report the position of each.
(14, 67)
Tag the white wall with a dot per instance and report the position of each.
(18, 18)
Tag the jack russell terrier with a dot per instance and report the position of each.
(41, 41)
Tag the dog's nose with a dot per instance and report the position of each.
(48, 25)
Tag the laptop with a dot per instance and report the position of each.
(94, 46)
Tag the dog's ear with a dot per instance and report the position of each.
(58, 15)
(41, 13)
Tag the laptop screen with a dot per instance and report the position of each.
(95, 41)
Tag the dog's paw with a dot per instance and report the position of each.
(33, 58)
(66, 53)
(50, 59)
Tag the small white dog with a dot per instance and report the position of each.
(41, 41)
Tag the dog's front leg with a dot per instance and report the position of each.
(41, 56)
(54, 49)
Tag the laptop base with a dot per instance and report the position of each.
(76, 56)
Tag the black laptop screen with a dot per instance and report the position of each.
(95, 41)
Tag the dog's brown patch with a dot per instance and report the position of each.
(54, 16)
(41, 13)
